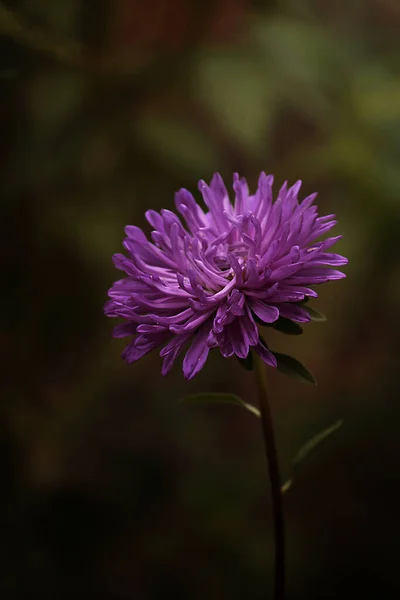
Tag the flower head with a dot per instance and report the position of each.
(206, 283)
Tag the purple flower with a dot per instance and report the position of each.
(204, 285)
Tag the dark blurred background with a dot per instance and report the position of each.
(110, 486)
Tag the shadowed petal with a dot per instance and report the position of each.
(196, 356)
(294, 312)
(265, 312)
(171, 351)
(265, 354)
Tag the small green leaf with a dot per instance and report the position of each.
(291, 366)
(309, 447)
(315, 315)
(307, 450)
(247, 362)
(287, 326)
(287, 485)
(281, 324)
(220, 398)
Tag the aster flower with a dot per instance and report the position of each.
(206, 282)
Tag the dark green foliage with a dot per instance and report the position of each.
(291, 366)
(315, 315)
(287, 326)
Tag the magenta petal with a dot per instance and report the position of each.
(239, 341)
(314, 276)
(285, 271)
(196, 356)
(132, 353)
(249, 327)
(124, 330)
(294, 312)
(265, 354)
(265, 312)
(328, 258)
(225, 344)
(171, 351)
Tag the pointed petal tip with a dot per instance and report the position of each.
(188, 376)
(265, 354)
(179, 193)
(338, 275)
(217, 177)
(166, 366)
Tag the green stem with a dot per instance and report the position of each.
(274, 477)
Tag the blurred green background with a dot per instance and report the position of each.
(111, 487)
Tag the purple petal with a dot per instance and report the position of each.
(240, 343)
(225, 344)
(294, 312)
(216, 207)
(265, 312)
(314, 276)
(249, 327)
(124, 330)
(242, 194)
(141, 346)
(155, 220)
(285, 271)
(265, 354)
(131, 353)
(220, 192)
(135, 233)
(171, 351)
(191, 324)
(124, 264)
(328, 258)
(197, 354)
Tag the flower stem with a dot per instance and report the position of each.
(274, 478)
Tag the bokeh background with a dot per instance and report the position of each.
(111, 487)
